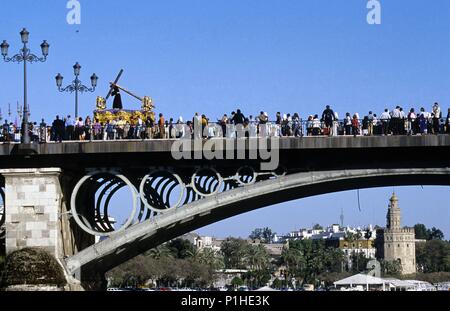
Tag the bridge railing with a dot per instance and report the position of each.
(284, 128)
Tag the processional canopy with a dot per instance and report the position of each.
(103, 114)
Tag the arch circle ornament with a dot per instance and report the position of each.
(206, 185)
(246, 176)
(158, 189)
(82, 222)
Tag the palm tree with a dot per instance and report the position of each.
(294, 260)
(160, 252)
(195, 254)
(209, 257)
(257, 259)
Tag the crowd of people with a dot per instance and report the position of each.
(395, 122)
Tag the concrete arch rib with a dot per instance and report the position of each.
(141, 237)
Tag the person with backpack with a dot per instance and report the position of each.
(262, 126)
(328, 118)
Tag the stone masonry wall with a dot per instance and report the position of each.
(33, 199)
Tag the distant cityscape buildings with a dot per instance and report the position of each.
(397, 243)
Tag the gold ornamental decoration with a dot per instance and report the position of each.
(101, 103)
(104, 115)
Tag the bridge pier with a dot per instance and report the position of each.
(36, 214)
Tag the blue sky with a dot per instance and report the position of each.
(215, 56)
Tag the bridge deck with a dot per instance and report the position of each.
(307, 153)
(285, 143)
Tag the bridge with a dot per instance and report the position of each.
(57, 194)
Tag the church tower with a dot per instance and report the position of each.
(399, 243)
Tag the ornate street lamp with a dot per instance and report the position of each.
(24, 56)
(76, 85)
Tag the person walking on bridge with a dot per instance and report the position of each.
(328, 118)
(161, 125)
(436, 116)
(385, 121)
(58, 129)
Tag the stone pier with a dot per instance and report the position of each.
(34, 208)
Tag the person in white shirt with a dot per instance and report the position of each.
(436, 116)
(402, 122)
(385, 121)
(197, 124)
(138, 128)
(334, 129)
(348, 124)
(70, 127)
(395, 120)
(316, 125)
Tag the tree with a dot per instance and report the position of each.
(257, 260)
(435, 234)
(159, 252)
(234, 251)
(447, 263)
(317, 227)
(277, 284)
(350, 237)
(359, 262)
(391, 268)
(334, 259)
(256, 234)
(195, 254)
(32, 266)
(180, 248)
(421, 232)
(264, 234)
(236, 282)
(293, 259)
(256, 257)
(268, 235)
(432, 256)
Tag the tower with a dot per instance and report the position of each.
(393, 215)
(399, 243)
(342, 217)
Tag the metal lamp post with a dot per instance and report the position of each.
(76, 85)
(24, 56)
